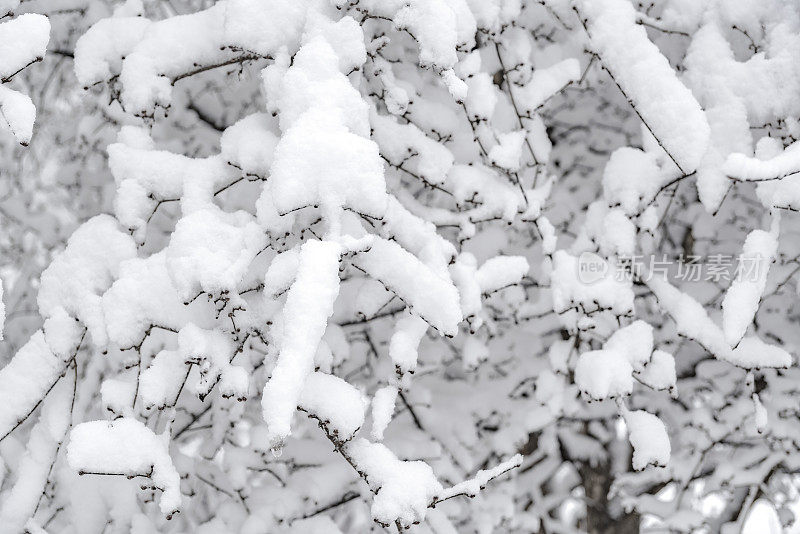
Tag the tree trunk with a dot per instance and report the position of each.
(602, 516)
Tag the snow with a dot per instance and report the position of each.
(22, 41)
(282, 272)
(666, 106)
(691, 319)
(426, 293)
(482, 95)
(404, 343)
(117, 395)
(262, 27)
(22, 500)
(659, 373)
(309, 303)
(211, 251)
(345, 36)
(212, 351)
(630, 178)
(742, 167)
(407, 145)
(507, 153)
(501, 271)
(142, 295)
(403, 489)
(754, 353)
(315, 84)
(603, 374)
(18, 112)
(472, 486)
(126, 447)
(169, 48)
(649, 439)
(760, 414)
(99, 52)
(339, 406)
(77, 277)
(383, 403)
(742, 298)
(26, 379)
(607, 292)
(546, 82)
(146, 177)
(433, 25)
(161, 382)
(616, 233)
(635, 341)
(498, 198)
(318, 162)
(249, 144)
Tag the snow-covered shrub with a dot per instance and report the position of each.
(378, 265)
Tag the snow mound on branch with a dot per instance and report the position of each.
(383, 403)
(143, 295)
(635, 341)
(607, 293)
(754, 353)
(428, 294)
(126, 447)
(404, 489)
(77, 277)
(666, 106)
(659, 373)
(18, 112)
(630, 178)
(22, 41)
(309, 303)
(26, 379)
(546, 82)
(318, 162)
(211, 251)
(602, 374)
(649, 439)
(741, 301)
(100, 51)
(249, 144)
(339, 406)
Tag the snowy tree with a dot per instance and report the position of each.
(378, 265)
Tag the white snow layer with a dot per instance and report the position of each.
(666, 106)
(125, 446)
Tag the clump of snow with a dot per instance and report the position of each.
(338, 405)
(404, 344)
(407, 145)
(472, 486)
(77, 277)
(741, 301)
(760, 414)
(427, 293)
(630, 177)
(666, 106)
(601, 374)
(249, 144)
(608, 292)
(546, 82)
(635, 341)
(382, 410)
(659, 373)
(309, 303)
(126, 447)
(403, 489)
(649, 439)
